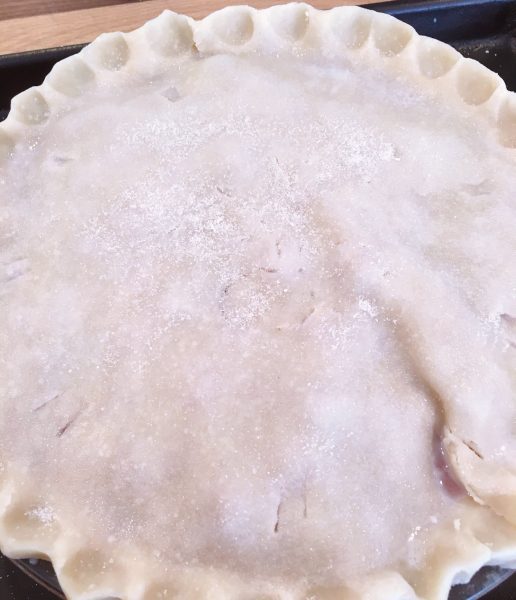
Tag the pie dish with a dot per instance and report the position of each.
(258, 312)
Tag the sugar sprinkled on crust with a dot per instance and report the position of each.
(257, 297)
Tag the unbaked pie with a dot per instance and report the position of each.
(258, 312)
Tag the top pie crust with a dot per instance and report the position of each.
(298, 225)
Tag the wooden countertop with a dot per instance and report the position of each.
(34, 24)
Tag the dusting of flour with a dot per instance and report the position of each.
(226, 300)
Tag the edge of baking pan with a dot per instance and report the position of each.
(482, 583)
(480, 29)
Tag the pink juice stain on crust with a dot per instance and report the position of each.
(446, 477)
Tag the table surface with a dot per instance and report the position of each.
(34, 24)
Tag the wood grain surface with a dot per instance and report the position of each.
(53, 29)
(9, 9)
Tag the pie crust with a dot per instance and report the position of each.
(258, 312)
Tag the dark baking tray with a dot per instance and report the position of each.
(480, 29)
